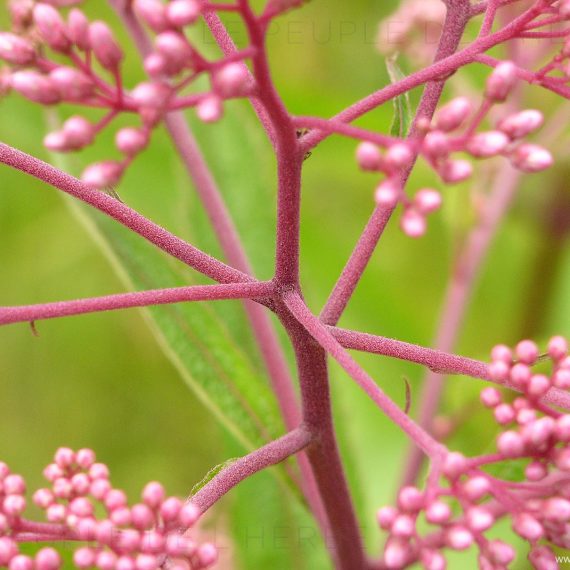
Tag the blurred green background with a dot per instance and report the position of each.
(103, 381)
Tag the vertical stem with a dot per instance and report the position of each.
(323, 455)
(452, 32)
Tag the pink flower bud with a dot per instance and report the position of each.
(86, 529)
(561, 379)
(500, 552)
(142, 516)
(557, 509)
(35, 87)
(502, 352)
(232, 80)
(210, 109)
(368, 156)
(84, 558)
(501, 81)
(8, 549)
(129, 540)
(538, 385)
(131, 141)
(398, 156)
(81, 484)
(78, 131)
(499, 370)
(504, 414)
(454, 465)
(78, 29)
(182, 12)
(542, 558)
(537, 433)
(125, 563)
(510, 444)
(207, 554)
(436, 145)
(396, 554)
(455, 171)
(438, 512)
(52, 472)
(15, 49)
(106, 560)
(433, 560)
(153, 542)
(403, 526)
(487, 144)
(564, 9)
(563, 428)
(562, 460)
(387, 194)
(147, 562)
(14, 485)
(453, 114)
(525, 416)
(535, 471)
(479, 519)
(120, 516)
(520, 374)
(102, 174)
(155, 65)
(410, 499)
(531, 158)
(85, 458)
(51, 27)
(490, 397)
(21, 13)
(99, 471)
(153, 494)
(170, 509)
(71, 83)
(14, 505)
(386, 516)
(48, 559)
(476, 488)
(521, 124)
(188, 515)
(151, 95)
(43, 498)
(527, 351)
(557, 347)
(153, 13)
(105, 47)
(528, 527)
(413, 223)
(21, 562)
(427, 201)
(175, 50)
(458, 538)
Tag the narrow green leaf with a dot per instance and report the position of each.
(402, 108)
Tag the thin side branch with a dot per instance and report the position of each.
(155, 234)
(29, 313)
(266, 456)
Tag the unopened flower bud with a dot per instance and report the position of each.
(15, 49)
(152, 95)
(79, 132)
(427, 200)
(72, 84)
(105, 46)
(131, 141)
(487, 144)
(455, 171)
(531, 158)
(521, 124)
(413, 223)
(368, 156)
(175, 50)
(78, 29)
(232, 80)
(153, 13)
(510, 443)
(210, 109)
(51, 27)
(528, 527)
(35, 86)
(398, 156)
(453, 114)
(387, 194)
(436, 145)
(501, 81)
(182, 12)
(102, 174)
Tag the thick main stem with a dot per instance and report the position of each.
(324, 457)
(452, 32)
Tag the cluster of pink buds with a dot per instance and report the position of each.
(92, 76)
(438, 140)
(82, 505)
(463, 501)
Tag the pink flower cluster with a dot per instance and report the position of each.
(467, 501)
(92, 76)
(82, 505)
(437, 141)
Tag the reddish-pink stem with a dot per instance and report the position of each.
(161, 238)
(136, 299)
(244, 467)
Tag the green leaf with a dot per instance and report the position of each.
(402, 108)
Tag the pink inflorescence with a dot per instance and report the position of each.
(454, 129)
(88, 72)
(82, 505)
(463, 501)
